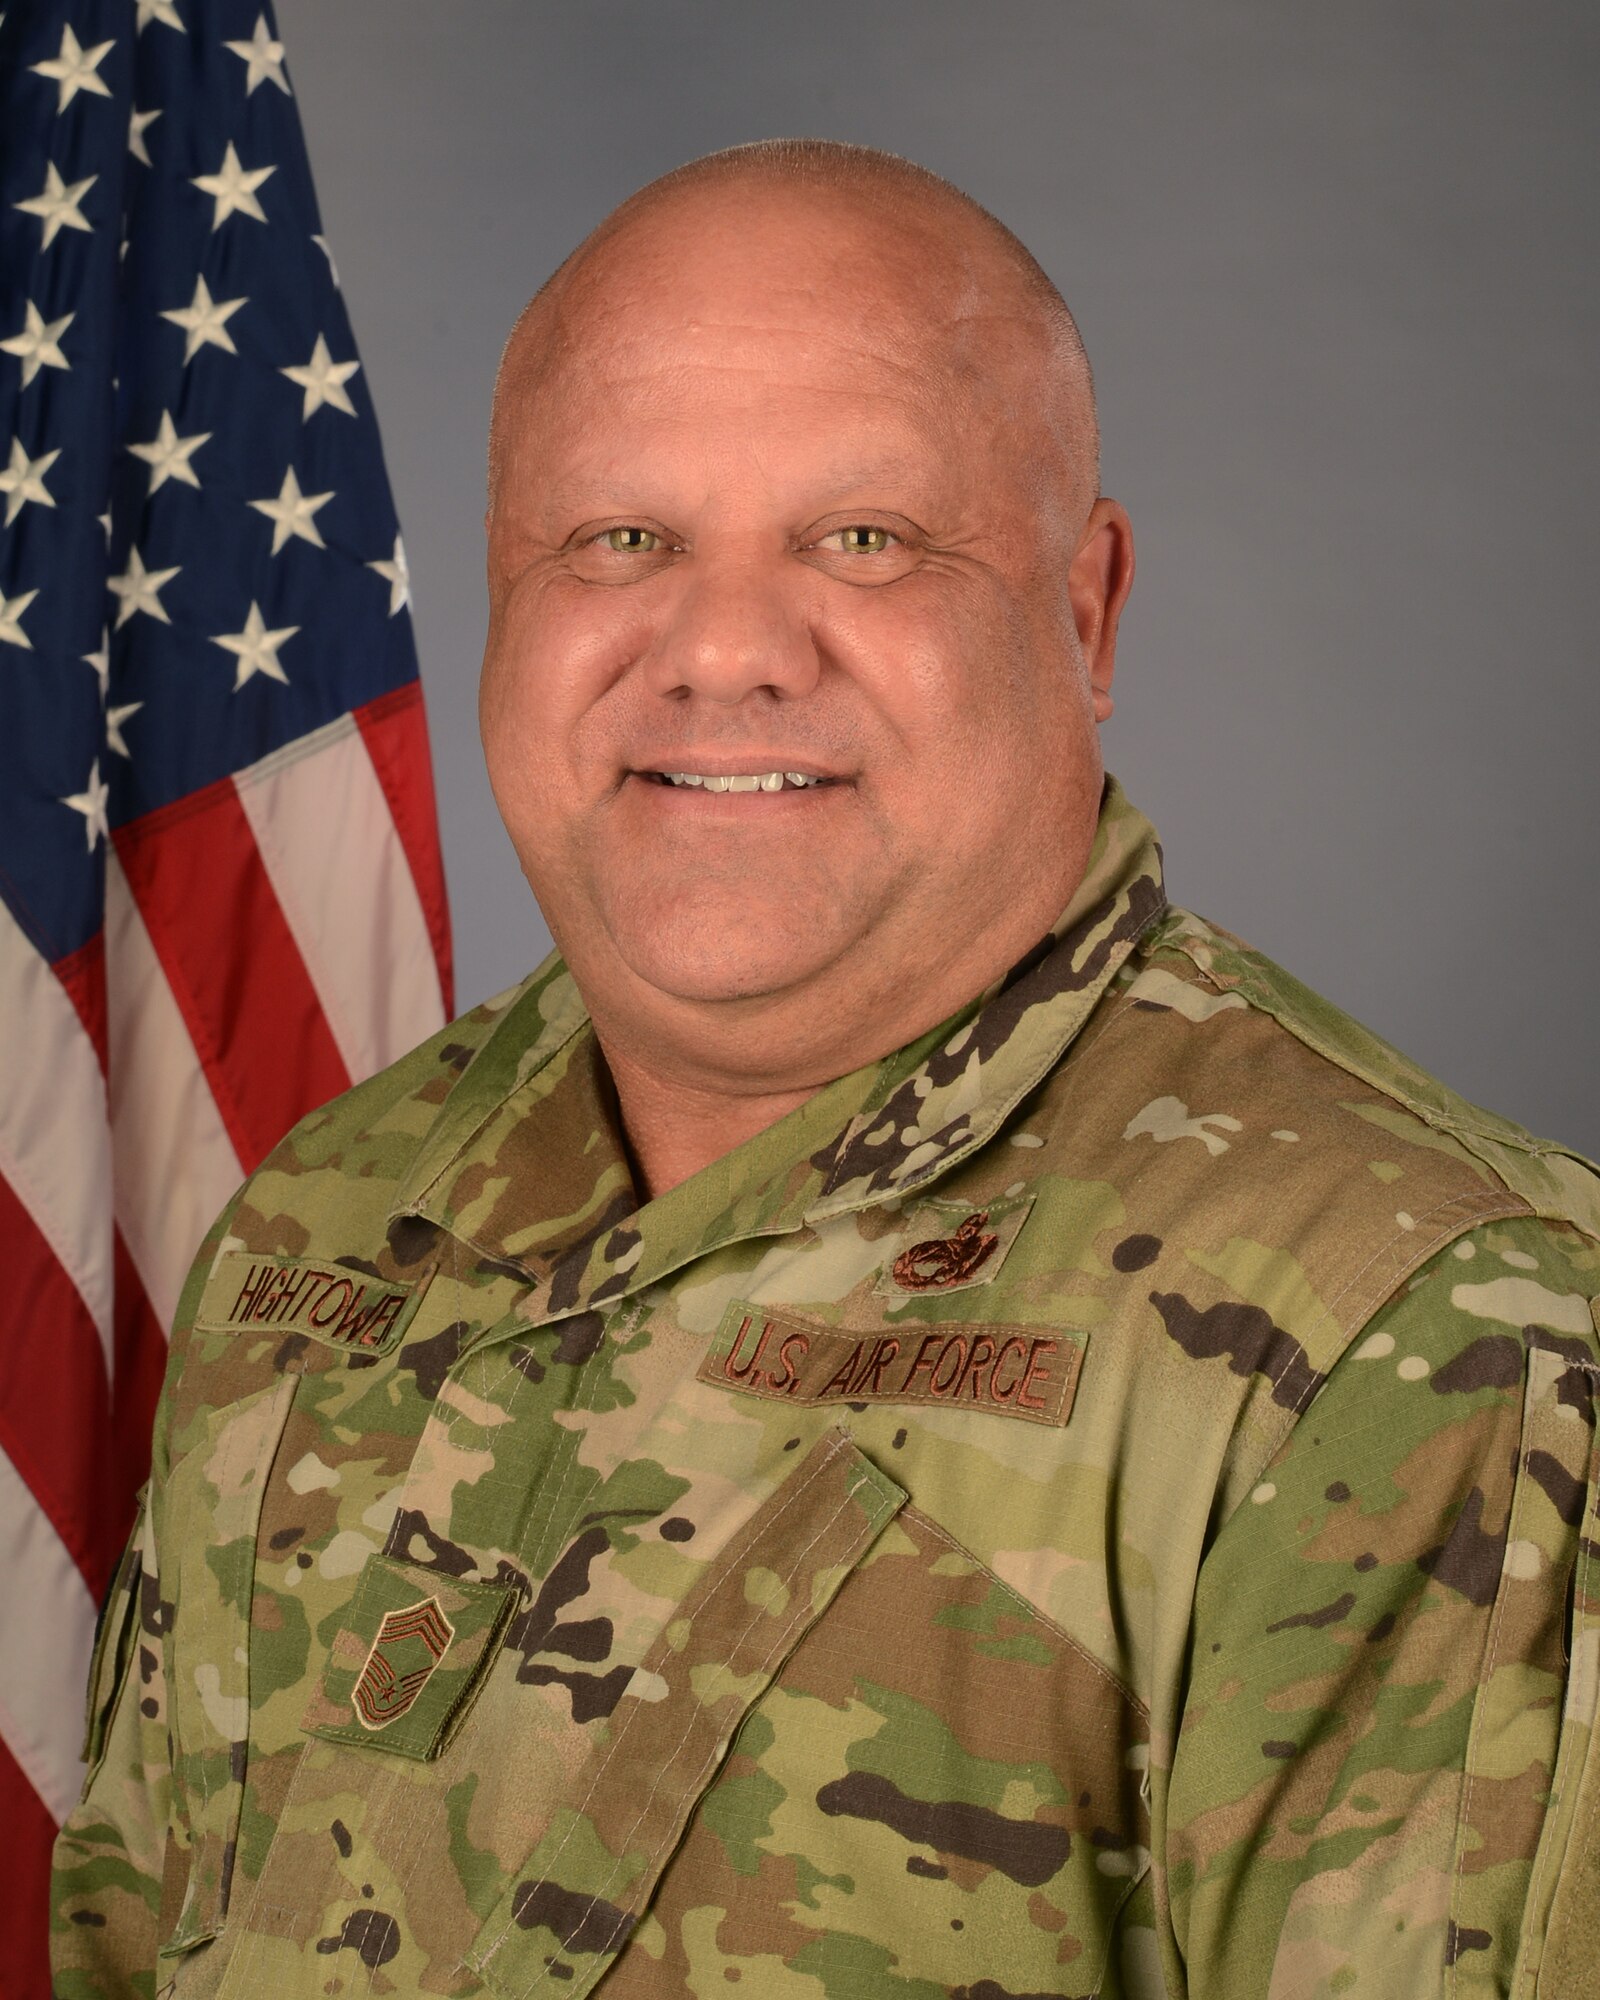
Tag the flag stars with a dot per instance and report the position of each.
(204, 320)
(39, 342)
(115, 718)
(233, 189)
(262, 58)
(323, 380)
(256, 649)
(138, 589)
(23, 480)
(101, 662)
(164, 11)
(57, 205)
(168, 455)
(397, 575)
(74, 69)
(291, 514)
(91, 802)
(139, 122)
(11, 613)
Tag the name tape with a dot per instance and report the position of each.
(338, 1306)
(1029, 1372)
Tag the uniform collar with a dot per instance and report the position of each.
(525, 1163)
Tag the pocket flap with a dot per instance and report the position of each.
(577, 1898)
(412, 1648)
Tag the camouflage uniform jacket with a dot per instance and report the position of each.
(1097, 1503)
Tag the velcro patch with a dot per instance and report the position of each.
(1002, 1371)
(338, 1306)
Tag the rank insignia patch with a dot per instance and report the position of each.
(413, 1649)
(409, 1646)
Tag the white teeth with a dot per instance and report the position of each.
(754, 781)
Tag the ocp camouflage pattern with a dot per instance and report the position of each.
(1101, 1502)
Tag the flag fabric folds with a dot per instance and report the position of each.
(221, 898)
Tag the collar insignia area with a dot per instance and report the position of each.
(340, 1307)
(950, 1245)
(1029, 1372)
(409, 1646)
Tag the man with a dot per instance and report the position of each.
(905, 1419)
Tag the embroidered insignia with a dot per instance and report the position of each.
(332, 1303)
(1005, 1371)
(944, 1261)
(409, 1645)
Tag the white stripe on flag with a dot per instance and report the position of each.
(175, 1164)
(53, 1088)
(46, 1639)
(334, 858)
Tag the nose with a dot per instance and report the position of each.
(734, 631)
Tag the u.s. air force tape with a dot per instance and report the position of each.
(1005, 1371)
(330, 1302)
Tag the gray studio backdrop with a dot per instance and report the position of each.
(1336, 269)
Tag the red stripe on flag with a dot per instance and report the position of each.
(233, 965)
(25, 1906)
(54, 1406)
(83, 974)
(395, 731)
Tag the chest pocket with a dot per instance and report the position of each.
(213, 1512)
(927, 1783)
(576, 1901)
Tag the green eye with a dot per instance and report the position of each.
(632, 541)
(864, 541)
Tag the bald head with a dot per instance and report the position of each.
(906, 245)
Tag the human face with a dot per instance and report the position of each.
(779, 506)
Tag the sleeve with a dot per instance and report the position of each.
(109, 1856)
(1383, 1773)
(110, 1860)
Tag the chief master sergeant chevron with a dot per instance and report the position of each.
(905, 1419)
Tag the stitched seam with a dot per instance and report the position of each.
(1467, 1203)
(1580, 1584)
(1027, 1605)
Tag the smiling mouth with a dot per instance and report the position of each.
(743, 781)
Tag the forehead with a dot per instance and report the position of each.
(769, 305)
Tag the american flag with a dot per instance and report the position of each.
(221, 899)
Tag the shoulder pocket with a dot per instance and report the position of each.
(213, 1512)
(1533, 1719)
(114, 1647)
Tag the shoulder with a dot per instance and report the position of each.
(1390, 1092)
(315, 1247)
(1268, 1158)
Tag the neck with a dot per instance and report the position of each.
(674, 1129)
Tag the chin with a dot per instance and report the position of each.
(722, 948)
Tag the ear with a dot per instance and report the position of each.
(1098, 583)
